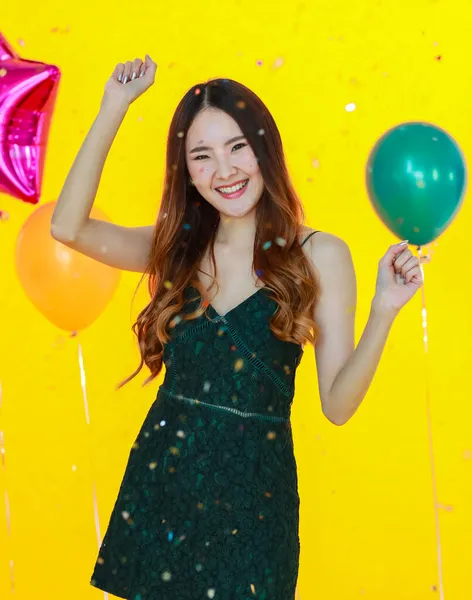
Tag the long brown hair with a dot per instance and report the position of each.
(187, 224)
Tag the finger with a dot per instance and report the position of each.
(136, 68)
(411, 263)
(118, 72)
(150, 67)
(402, 258)
(394, 250)
(414, 274)
(127, 71)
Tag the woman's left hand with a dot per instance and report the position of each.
(399, 278)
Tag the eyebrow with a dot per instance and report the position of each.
(230, 141)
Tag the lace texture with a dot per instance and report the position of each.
(208, 506)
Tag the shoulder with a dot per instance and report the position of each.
(324, 247)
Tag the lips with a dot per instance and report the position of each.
(219, 188)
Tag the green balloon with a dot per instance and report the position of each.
(416, 179)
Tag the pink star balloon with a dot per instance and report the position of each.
(28, 91)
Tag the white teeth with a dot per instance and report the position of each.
(231, 190)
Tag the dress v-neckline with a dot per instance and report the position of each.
(242, 303)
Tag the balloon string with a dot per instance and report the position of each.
(83, 383)
(424, 313)
(7, 499)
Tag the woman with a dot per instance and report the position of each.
(208, 506)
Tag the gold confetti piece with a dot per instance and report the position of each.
(239, 364)
(166, 576)
(153, 465)
(211, 593)
(3, 72)
(268, 494)
(100, 561)
(168, 285)
(287, 369)
(171, 469)
(180, 134)
(135, 446)
(234, 532)
(271, 435)
(180, 434)
(125, 515)
(241, 104)
(200, 505)
(174, 450)
(253, 588)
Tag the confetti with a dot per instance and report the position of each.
(211, 593)
(197, 92)
(168, 284)
(266, 245)
(241, 104)
(271, 435)
(238, 365)
(280, 241)
(180, 134)
(259, 63)
(351, 107)
(166, 576)
(206, 386)
(261, 132)
(3, 72)
(278, 62)
(153, 465)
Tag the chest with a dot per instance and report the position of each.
(236, 280)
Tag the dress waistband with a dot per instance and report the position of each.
(241, 413)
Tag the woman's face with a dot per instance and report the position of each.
(222, 165)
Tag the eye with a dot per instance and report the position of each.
(242, 144)
(200, 156)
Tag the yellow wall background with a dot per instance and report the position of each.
(367, 506)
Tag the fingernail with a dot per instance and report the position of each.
(125, 78)
(120, 77)
(403, 243)
(133, 75)
(142, 73)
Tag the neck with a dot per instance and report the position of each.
(237, 231)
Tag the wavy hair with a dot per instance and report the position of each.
(187, 224)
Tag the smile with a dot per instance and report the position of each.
(234, 191)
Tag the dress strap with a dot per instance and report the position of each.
(308, 237)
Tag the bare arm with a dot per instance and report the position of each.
(126, 248)
(345, 372)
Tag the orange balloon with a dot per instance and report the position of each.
(69, 288)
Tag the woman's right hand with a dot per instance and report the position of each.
(128, 81)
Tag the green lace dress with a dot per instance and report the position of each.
(209, 506)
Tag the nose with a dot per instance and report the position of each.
(224, 166)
